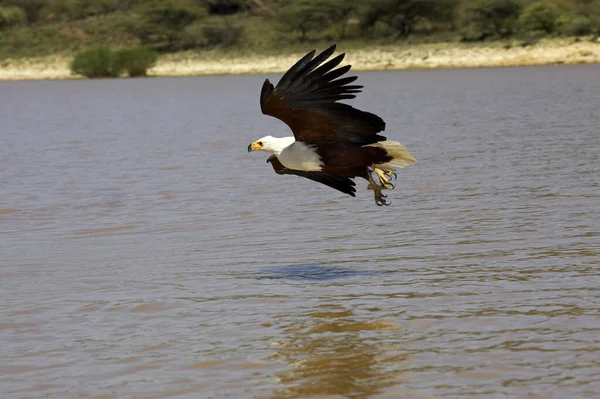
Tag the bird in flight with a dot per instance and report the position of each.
(332, 142)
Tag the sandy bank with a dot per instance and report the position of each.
(393, 57)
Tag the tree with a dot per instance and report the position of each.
(11, 16)
(303, 16)
(221, 34)
(337, 13)
(164, 22)
(482, 19)
(545, 16)
(403, 16)
(306, 16)
(585, 20)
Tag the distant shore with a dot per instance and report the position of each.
(374, 58)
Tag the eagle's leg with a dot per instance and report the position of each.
(384, 178)
(377, 191)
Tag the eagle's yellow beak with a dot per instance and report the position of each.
(257, 145)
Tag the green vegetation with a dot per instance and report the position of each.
(99, 62)
(163, 25)
(102, 62)
(11, 16)
(485, 19)
(44, 27)
(136, 61)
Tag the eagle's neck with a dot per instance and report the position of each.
(278, 144)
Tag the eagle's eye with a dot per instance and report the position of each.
(260, 143)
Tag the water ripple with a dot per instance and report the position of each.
(145, 254)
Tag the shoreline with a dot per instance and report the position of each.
(373, 58)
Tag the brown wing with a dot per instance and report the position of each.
(340, 183)
(306, 99)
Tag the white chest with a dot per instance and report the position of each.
(300, 156)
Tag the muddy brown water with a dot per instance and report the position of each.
(144, 253)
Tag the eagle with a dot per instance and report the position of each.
(333, 143)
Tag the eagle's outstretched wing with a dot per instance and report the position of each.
(306, 99)
(341, 183)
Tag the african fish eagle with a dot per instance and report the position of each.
(333, 142)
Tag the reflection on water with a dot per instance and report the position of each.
(144, 253)
(330, 352)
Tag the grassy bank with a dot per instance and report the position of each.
(40, 38)
(362, 57)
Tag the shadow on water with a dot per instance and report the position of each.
(314, 272)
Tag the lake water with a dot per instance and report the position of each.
(144, 253)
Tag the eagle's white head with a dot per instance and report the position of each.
(271, 144)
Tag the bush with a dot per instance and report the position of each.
(31, 8)
(79, 9)
(544, 16)
(173, 14)
(585, 20)
(136, 61)
(102, 62)
(531, 38)
(163, 39)
(221, 35)
(577, 26)
(11, 16)
(99, 62)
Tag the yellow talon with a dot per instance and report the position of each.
(379, 196)
(384, 178)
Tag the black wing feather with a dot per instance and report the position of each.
(340, 183)
(306, 87)
(305, 65)
(306, 98)
(266, 91)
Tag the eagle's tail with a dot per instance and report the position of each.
(400, 157)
